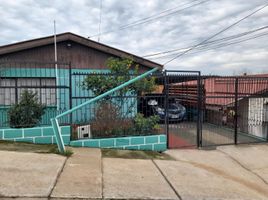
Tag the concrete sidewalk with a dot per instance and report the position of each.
(81, 177)
(198, 174)
(28, 174)
(231, 172)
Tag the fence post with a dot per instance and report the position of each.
(16, 90)
(236, 110)
(199, 112)
(70, 92)
(166, 106)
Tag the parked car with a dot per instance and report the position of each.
(176, 112)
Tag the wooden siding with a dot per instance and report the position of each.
(79, 55)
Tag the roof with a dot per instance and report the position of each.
(15, 47)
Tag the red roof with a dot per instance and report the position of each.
(221, 90)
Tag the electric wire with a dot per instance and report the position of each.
(214, 47)
(152, 18)
(216, 34)
(224, 39)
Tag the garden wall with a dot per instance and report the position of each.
(152, 143)
(45, 135)
(37, 135)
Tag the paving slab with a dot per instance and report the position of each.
(24, 198)
(28, 174)
(199, 174)
(134, 179)
(253, 157)
(81, 176)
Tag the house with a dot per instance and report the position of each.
(30, 65)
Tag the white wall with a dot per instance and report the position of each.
(258, 117)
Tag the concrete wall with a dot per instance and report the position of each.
(151, 143)
(37, 135)
(45, 135)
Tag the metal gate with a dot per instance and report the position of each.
(215, 110)
(235, 110)
(183, 92)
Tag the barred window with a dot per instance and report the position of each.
(11, 89)
(7, 91)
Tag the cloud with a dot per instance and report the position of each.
(28, 19)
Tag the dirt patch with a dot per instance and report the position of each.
(134, 154)
(27, 147)
(32, 148)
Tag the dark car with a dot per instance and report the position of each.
(176, 112)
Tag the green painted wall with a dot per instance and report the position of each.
(37, 135)
(45, 135)
(80, 116)
(150, 143)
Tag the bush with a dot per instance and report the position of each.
(108, 121)
(27, 113)
(146, 125)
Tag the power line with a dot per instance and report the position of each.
(232, 37)
(153, 17)
(214, 35)
(214, 47)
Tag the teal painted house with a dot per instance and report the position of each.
(30, 65)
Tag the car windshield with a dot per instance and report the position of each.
(172, 106)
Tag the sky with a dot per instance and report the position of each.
(190, 22)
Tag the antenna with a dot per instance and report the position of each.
(56, 66)
(100, 20)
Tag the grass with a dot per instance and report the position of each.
(33, 148)
(134, 154)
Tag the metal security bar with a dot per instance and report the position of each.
(38, 78)
(55, 123)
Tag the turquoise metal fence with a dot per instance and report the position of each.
(55, 123)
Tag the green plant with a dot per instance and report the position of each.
(112, 114)
(107, 121)
(146, 125)
(121, 70)
(27, 113)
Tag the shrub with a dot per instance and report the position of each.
(146, 125)
(27, 113)
(107, 121)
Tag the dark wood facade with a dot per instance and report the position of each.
(80, 52)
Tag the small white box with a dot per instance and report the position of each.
(84, 132)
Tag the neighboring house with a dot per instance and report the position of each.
(252, 93)
(219, 101)
(30, 64)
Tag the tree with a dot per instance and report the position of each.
(121, 70)
(28, 112)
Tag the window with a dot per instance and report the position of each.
(44, 87)
(7, 91)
